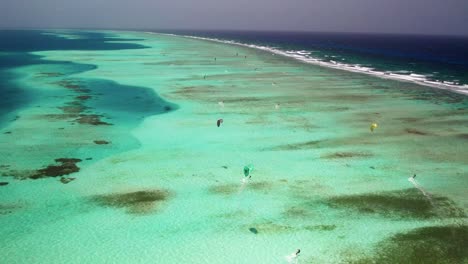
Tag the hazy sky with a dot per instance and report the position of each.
(389, 16)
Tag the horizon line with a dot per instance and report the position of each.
(235, 30)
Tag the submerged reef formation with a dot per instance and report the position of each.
(297, 146)
(434, 244)
(94, 120)
(65, 166)
(225, 189)
(408, 203)
(139, 202)
(343, 155)
(101, 142)
(416, 132)
(74, 111)
(66, 180)
(8, 208)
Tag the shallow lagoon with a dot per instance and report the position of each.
(166, 187)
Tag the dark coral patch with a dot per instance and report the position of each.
(225, 189)
(66, 180)
(73, 109)
(71, 85)
(241, 99)
(335, 109)
(409, 203)
(321, 227)
(351, 97)
(8, 208)
(435, 244)
(297, 146)
(296, 212)
(66, 166)
(416, 132)
(83, 97)
(94, 120)
(343, 155)
(139, 202)
(410, 119)
(49, 74)
(195, 91)
(101, 142)
(259, 186)
(229, 189)
(18, 174)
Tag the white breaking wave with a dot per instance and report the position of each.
(304, 56)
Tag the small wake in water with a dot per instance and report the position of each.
(244, 183)
(420, 188)
(306, 56)
(293, 258)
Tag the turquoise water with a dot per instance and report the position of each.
(163, 182)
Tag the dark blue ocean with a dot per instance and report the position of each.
(15, 51)
(442, 59)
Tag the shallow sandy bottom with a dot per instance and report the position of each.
(166, 188)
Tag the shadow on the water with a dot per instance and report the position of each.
(253, 230)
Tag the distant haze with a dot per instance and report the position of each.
(447, 17)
